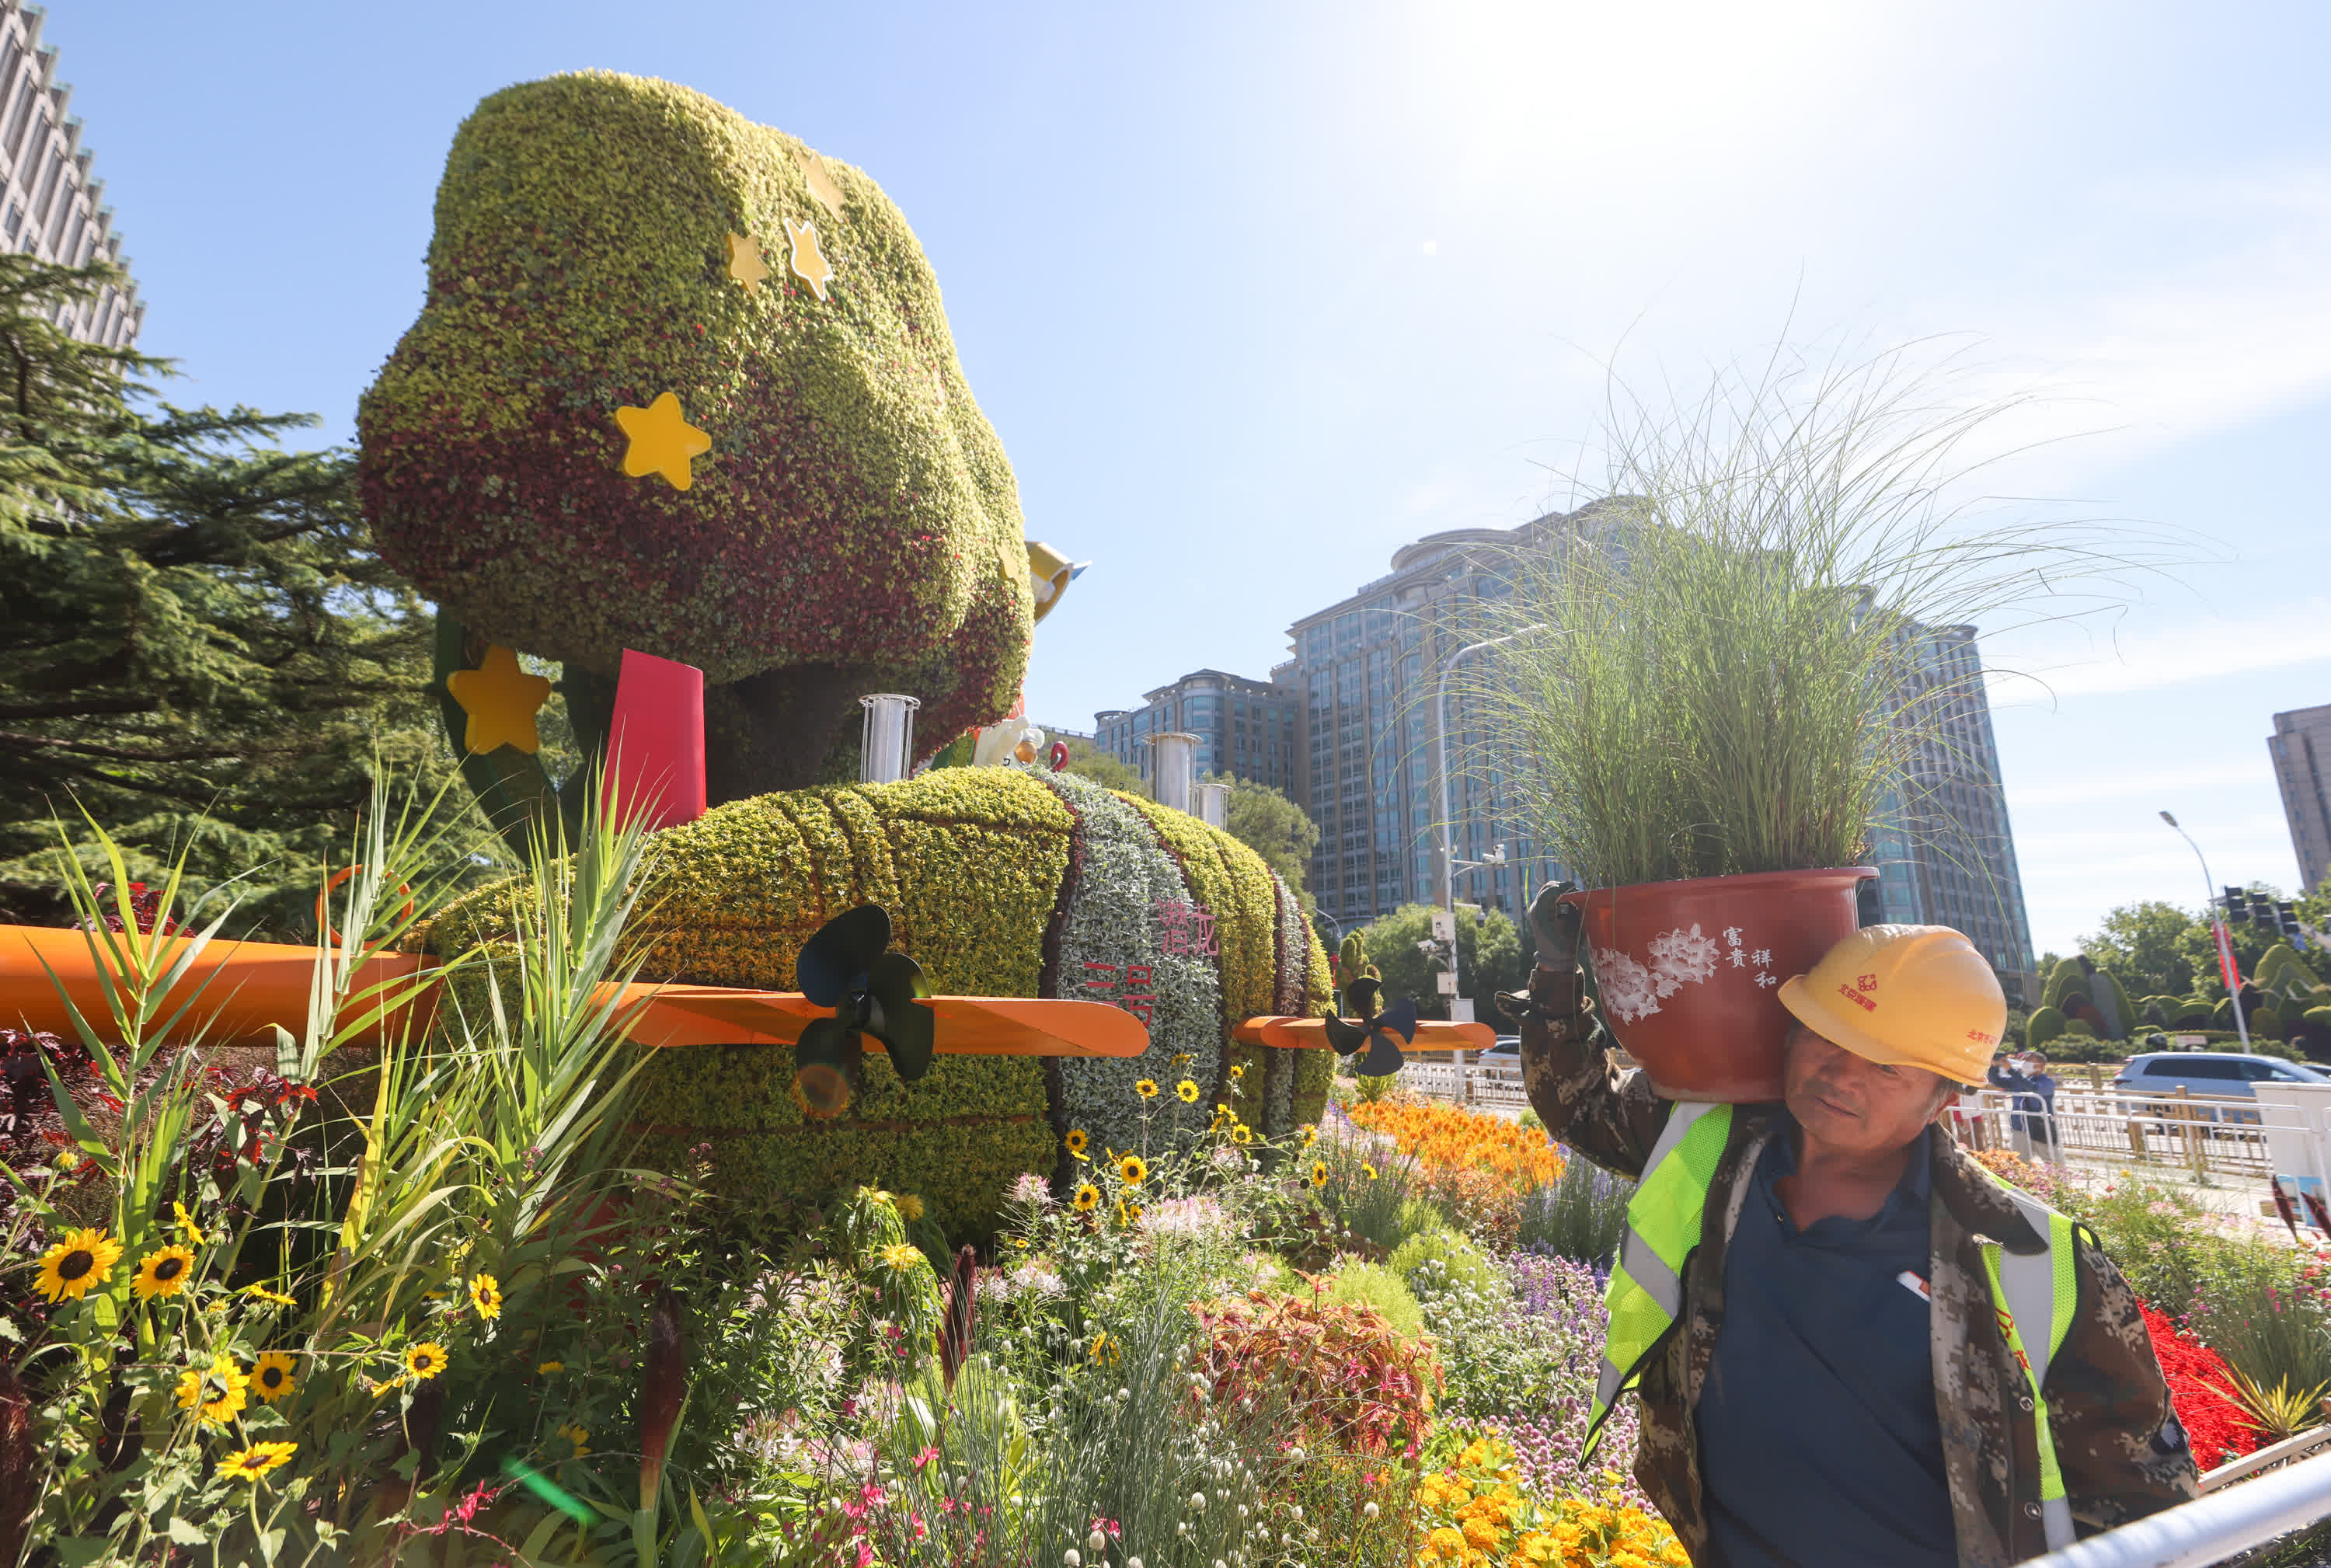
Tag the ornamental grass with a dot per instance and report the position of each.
(1731, 665)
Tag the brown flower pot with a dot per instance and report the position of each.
(1687, 971)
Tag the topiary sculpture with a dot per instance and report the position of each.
(2046, 1023)
(1001, 881)
(682, 385)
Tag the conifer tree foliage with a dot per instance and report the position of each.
(197, 641)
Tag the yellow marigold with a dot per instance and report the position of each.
(1188, 1090)
(256, 1461)
(486, 1296)
(1480, 1532)
(911, 1206)
(1446, 1538)
(1147, 1089)
(214, 1393)
(424, 1361)
(272, 1376)
(162, 1272)
(76, 1265)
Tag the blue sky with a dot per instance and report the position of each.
(1256, 293)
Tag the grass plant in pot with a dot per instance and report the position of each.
(1718, 688)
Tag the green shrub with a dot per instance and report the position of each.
(2044, 1025)
(2063, 981)
(1362, 1284)
(2248, 1309)
(2079, 1027)
(1531, 1120)
(1435, 1261)
(1580, 1215)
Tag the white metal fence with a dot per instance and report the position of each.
(2221, 1134)
(1492, 1082)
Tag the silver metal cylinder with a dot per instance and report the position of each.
(886, 748)
(1214, 804)
(1173, 757)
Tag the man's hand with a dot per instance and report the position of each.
(1554, 924)
(1557, 987)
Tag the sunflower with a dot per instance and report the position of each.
(1077, 1142)
(1241, 1134)
(900, 1257)
(1181, 1059)
(263, 1293)
(194, 1236)
(911, 1206)
(256, 1461)
(547, 1367)
(1238, 1072)
(486, 1296)
(1127, 1214)
(1310, 1134)
(1131, 1170)
(580, 1436)
(1318, 1173)
(214, 1393)
(1147, 1089)
(1106, 1349)
(1368, 1170)
(73, 1266)
(1188, 1091)
(162, 1273)
(1086, 1199)
(424, 1361)
(272, 1376)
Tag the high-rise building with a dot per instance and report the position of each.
(1370, 670)
(1245, 728)
(1944, 852)
(2301, 749)
(48, 206)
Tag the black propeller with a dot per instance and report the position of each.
(849, 968)
(1375, 1030)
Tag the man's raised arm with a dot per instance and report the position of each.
(1576, 1089)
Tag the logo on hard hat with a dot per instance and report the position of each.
(1867, 981)
(1850, 994)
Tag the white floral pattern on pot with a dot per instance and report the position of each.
(1633, 989)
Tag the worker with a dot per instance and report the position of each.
(1827, 1309)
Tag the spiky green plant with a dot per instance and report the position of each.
(1726, 667)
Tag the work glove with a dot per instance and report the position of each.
(1554, 1006)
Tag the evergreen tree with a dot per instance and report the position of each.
(198, 645)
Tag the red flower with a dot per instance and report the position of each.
(2197, 1378)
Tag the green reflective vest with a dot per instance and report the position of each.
(1645, 1294)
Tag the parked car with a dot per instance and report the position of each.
(1508, 1045)
(2223, 1073)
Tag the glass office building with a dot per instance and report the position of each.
(1245, 728)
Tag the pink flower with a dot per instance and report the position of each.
(925, 1456)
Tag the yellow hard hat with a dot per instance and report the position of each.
(1906, 997)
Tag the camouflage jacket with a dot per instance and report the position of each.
(2122, 1452)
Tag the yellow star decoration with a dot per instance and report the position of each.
(808, 264)
(501, 700)
(821, 184)
(662, 441)
(745, 264)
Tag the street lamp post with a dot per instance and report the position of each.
(1448, 835)
(2227, 972)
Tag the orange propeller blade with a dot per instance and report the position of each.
(1289, 1034)
(968, 1025)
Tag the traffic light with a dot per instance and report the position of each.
(2286, 920)
(2238, 905)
